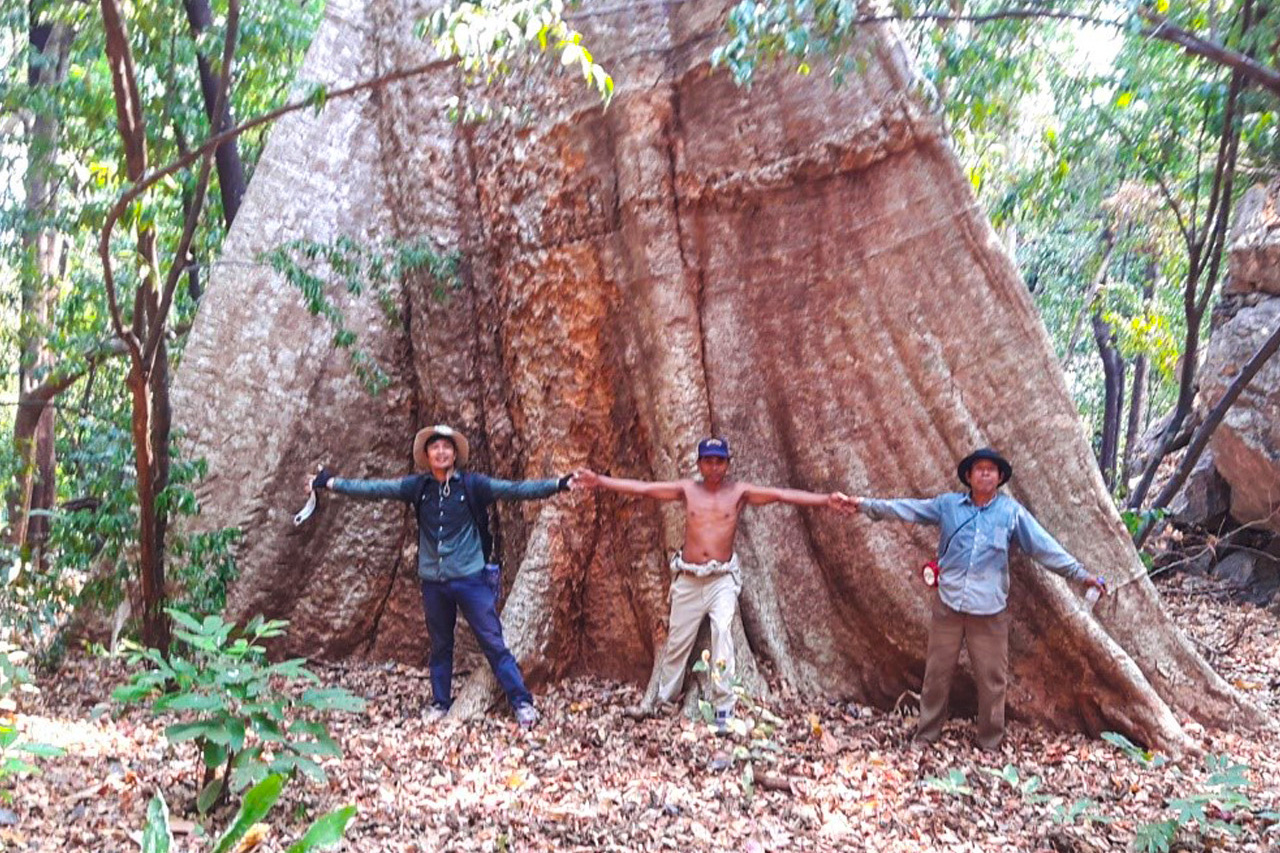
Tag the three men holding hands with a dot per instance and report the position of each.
(457, 571)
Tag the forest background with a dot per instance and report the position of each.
(1108, 141)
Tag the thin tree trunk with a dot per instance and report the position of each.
(161, 428)
(1113, 380)
(132, 129)
(155, 624)
(33, 437)
(1205, 255)
(1138, 394)
(1108, 242)
(231, 179)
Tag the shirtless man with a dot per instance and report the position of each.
(707, 575)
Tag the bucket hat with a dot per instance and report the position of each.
(1006, 470)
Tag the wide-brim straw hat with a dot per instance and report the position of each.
(426, 434)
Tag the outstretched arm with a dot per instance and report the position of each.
(528, 490)
(401, 489)
(673, 490)
(914, 510)
(760, 495)
(1045, 550)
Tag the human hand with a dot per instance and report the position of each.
(1100, 583)
(584, 478)
(841, 502)
(319, 480)
(851, 504)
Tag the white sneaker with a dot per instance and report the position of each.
(527, 716)
(434, 714)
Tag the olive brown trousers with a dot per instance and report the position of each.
(987, 638)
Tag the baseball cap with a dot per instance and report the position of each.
(713, 447)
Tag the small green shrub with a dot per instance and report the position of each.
(1215, 811)
(955, 783)
(14, 751)
(245, 716)
(1135, 753)
(1083, 809)
(752, 722)
(326, 831)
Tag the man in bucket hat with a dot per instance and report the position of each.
(976, 527)
(456, 561)
(707, 577)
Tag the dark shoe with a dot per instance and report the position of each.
(721, 724)
(434, 714)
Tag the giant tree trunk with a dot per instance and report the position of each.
(802, 270)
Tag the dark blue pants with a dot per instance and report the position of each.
(477, 597)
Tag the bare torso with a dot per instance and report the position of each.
(711, 519)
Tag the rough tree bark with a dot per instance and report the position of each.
(800, 269)
(33, 435)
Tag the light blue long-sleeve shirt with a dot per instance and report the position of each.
(973, 545)
(449, 544)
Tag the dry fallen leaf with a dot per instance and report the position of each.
(255, 836)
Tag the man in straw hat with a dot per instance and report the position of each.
(456, 561)
(706, 575)
(976, 527)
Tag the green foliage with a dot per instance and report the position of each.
(16, 754)
(753, 724)
(1084, 809)
(494, 39)
(244, 716)
(1134, 521)
(955, 783)
(1216, 811)
(1028, 788)
(34, 603)
(325, 831)
(316, 268)
(78, 156)
(205, 566)
(94, 538)
(1133, 752)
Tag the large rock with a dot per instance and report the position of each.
(1205, 499)
(1255, 242)
(1256, 574)
(1246, 446)
(801, 269)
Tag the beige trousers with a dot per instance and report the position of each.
(692, 598)
(988, 640)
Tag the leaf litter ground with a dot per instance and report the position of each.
(588, 778)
